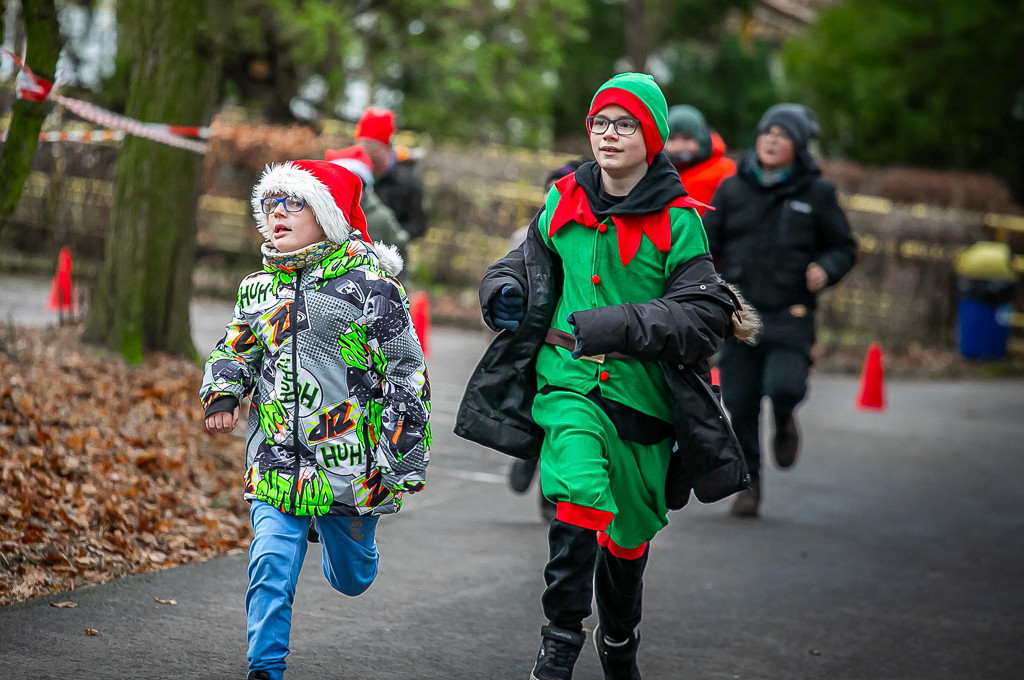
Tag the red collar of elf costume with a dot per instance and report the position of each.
(573, 206)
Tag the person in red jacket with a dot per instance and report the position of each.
(697, 152)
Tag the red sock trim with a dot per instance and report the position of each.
(582, 516)
(614, 548)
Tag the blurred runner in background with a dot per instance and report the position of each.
(397, 183)
(697, 152)
(778, 233)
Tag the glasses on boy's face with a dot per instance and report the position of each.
(776, 134)
(598, 125)
(291, 203)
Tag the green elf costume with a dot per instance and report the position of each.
(605, 292)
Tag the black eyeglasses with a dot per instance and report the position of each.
(291, 203)
(598, 125)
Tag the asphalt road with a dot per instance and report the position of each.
(894, 549)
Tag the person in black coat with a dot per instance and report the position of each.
(777, 233)
(396, 184)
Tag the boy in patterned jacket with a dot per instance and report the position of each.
(322, 342)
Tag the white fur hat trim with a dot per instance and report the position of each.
(287, 178)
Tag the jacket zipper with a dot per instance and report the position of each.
(295, 387)
(248, 442)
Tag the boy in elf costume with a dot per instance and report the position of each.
(610, 298)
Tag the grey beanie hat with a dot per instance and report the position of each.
(799, 121)
(687, 119)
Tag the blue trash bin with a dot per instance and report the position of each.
(983, 328)
(986, 282)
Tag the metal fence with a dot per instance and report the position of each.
(902, 292)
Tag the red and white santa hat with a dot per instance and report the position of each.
(332, 193)
(354, 158)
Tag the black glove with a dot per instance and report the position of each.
(508, 308)
(578, 351)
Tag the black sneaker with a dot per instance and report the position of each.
(258, 675)
(521, 474)
(618, 661)
(559, 650)
(786, 443)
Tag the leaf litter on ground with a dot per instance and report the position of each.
(105, 468)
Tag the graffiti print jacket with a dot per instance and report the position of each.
(340, 395)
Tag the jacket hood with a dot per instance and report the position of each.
(717, 145)
(655, 190)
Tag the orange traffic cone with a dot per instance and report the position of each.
(62, 298)
(871, 396)
(420, 313)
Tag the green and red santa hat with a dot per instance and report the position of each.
(639, 94)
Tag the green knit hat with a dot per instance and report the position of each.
(639, 94)
(687, 119)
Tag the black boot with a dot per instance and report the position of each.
(786, 443)
(619, 585)
(258, 675)
(566, 601)
(559, 650)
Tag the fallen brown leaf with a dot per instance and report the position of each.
(165, 601)
(105, 469)
(64, 605)
(91, 631)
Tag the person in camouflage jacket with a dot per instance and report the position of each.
(322, 342)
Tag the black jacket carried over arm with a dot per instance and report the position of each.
(680, 330)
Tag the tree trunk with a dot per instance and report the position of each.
(141, 301)
(638, 37)
(44, 45)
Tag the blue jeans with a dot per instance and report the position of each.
(275, 558)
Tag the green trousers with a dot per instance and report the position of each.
(583, 462)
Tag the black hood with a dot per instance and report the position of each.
(656, 189)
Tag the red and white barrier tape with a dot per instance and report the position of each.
(31, 87)
(77, 136)
(100, 116)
